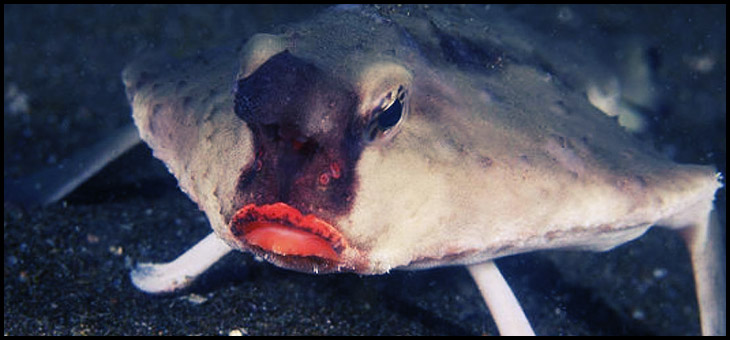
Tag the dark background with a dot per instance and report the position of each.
(66, 266)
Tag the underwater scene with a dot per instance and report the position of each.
(658, 71)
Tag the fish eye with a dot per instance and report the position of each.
(385, 119)
(391, 116)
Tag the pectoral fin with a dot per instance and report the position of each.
(707, 251)
(502, 303)
(54, 183)
(158, 278)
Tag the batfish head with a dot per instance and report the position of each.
(309, 127)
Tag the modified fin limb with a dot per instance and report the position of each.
(54, 183)
(502, 303)
(159, 278)
(706, 244)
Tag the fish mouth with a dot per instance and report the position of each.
(282, 235)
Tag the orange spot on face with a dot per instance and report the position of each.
(335, 170)
(324, 179)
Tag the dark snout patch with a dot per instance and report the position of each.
(302, 121)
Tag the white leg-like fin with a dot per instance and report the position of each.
(706, 246)
(157, 278)
(502, 303)
(52, 184)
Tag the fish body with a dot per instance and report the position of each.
(369, 139)
(494, 154)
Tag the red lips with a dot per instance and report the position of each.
(282, 230)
